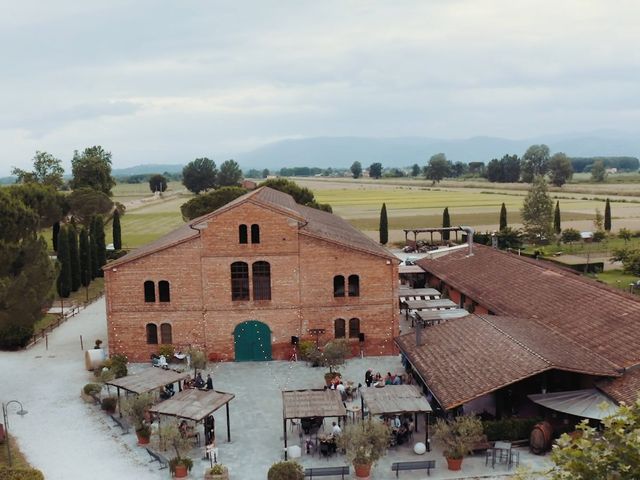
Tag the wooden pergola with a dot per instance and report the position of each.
(149, 380)
(298, 404)
(397, 400)
(195, 405)
(431, 231)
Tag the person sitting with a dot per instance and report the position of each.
(388, 379)
(209, 382)
(162, 362)
(199, 382)
(397, 380)
(188, 383)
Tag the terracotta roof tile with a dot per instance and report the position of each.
(604, 320)
(469, 357)
(624, 389)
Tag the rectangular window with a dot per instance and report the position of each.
(239, 281)
(261, 281)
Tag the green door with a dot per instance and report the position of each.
(252, 341)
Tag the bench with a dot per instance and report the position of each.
(122, 423)
(326, 471)
(423, 465)
(156, 457)
(481, 445)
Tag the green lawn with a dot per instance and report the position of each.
(617, 278)
(580, 248)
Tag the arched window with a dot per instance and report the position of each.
(255, 233)
(152, 334)
(354, 328)
(261, 281)
(338, 286)
(338, 327)
(166, 334)
(149, 291)
(239, 281)
(354, 286)
(242, 233)
(164, 294)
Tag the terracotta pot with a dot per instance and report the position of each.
(180, 471)
(363, 471)
(142, 439)
(454, 463)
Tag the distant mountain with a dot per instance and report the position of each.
(7, 180)
(404, 151)
(147, 168)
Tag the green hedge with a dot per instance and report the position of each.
(16, 473)
(509, 429)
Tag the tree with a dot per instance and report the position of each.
(535, 162)
(49, 204)
(446, 222)
(356, 169)
(85, 258)
(54, 235)
(510, 168)
(537, 211)
(437, 168)
(93, 248)
(610, 452)
(229, 174)
(375, 170)
(598, 171)
(503, 217)
(557, 227)
(47, 170)
(199, 175)
(116, 231)
(570, 235)
(209, 202)
(74, 256)
(301, 195)
(26, 272)
(598, 221)
(384, 225)
(624, 234)
(157, 183)
(458, 169)
(415, 170)
(560, 169)
(63, 285)
(101, 247)
(607, 216)
(494, 171)
(92, 168)
(265, 173)
(84, 203)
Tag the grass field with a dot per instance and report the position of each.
(617, 278)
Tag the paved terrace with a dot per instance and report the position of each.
(67, 438)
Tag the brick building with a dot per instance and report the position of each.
(241, 281)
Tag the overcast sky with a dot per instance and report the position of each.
(166, 81)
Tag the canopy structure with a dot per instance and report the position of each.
(430, 304)
(310, 403)
(147, 381)
(196, 405)
(397, 400)
(589, 403)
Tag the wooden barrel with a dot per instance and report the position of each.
(541, 438)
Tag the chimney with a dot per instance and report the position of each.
(469, 232)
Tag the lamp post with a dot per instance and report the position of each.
(5, 412)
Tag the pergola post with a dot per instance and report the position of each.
(426, 434)
(361, 405)
(228, 424)
(415, 420)
(119, 407)
(284, 426)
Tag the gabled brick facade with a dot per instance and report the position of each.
(305, 251)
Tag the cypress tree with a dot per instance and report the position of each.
(93, 248)
(503, 217)
(556, 219)
(101, 246)
(446, 222)
(54, 237)
(384, 225)
(116, 230)
(75, 258)
(607, 216)
(63, 285)
(85, 258)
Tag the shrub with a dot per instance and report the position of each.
(92, 388)
(135, 409)
(16, 473)
(365, 442)
(286, 471)
(166, 350)
(599, 236)
(509, 429)
(118, 365)
(217, 469)
(570, 235)
(305, 348)
(458, 435)
(335, 353)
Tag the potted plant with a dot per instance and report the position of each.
(108, 404)
(90, 392)
(136, 409)
(457, 436)
(180, 465)
(364, 444)
(217, 472)
(289, 470)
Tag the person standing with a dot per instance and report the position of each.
(209, 382)
(368, 377)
